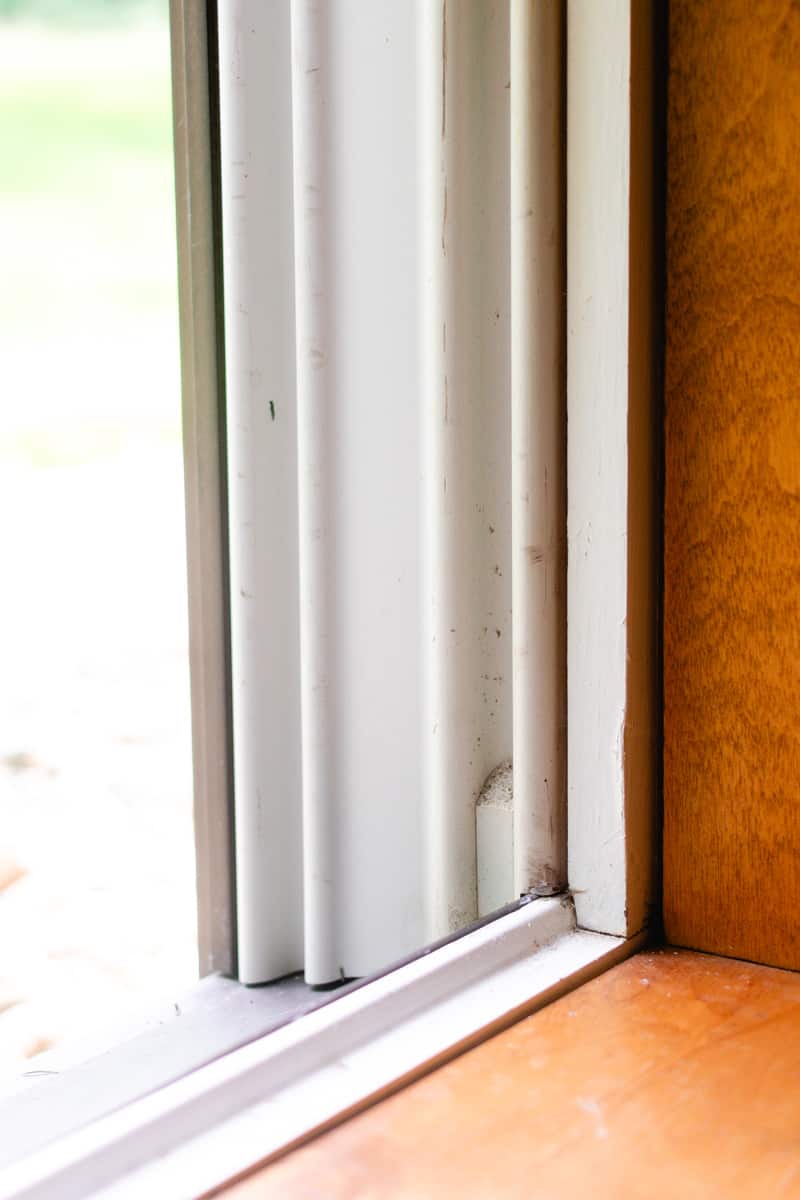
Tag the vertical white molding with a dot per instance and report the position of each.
(611, 664)
(256, 177)
(538, 420)
(315, 409)
(598, 183)
(355, 172)
(466, 430)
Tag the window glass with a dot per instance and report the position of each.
(97, 905)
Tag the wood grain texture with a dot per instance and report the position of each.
(674, 1074)
(732, 506)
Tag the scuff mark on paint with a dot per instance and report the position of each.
(444, 221)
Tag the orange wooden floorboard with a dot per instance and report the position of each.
(673, 1075)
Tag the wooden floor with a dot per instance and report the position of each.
(673, 1075)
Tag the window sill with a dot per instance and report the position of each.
(672, 1075)
(83, 1081)
(251, 1104)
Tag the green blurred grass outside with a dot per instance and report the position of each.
(81, 14)
(88, 301)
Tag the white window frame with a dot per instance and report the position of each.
(257, 1101)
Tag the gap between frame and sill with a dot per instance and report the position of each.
(258, 1101)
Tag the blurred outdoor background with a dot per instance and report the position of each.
(97, 908)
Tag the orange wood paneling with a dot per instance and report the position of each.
(672, 1075)
(732, 506)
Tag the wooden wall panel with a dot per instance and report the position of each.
(732, 515)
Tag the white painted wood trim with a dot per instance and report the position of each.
(538, 449)
(611, 597)
(318, 403)
(355, 161)
(598, 183)
(466, 432)
(251, 1104)
(256, 182)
